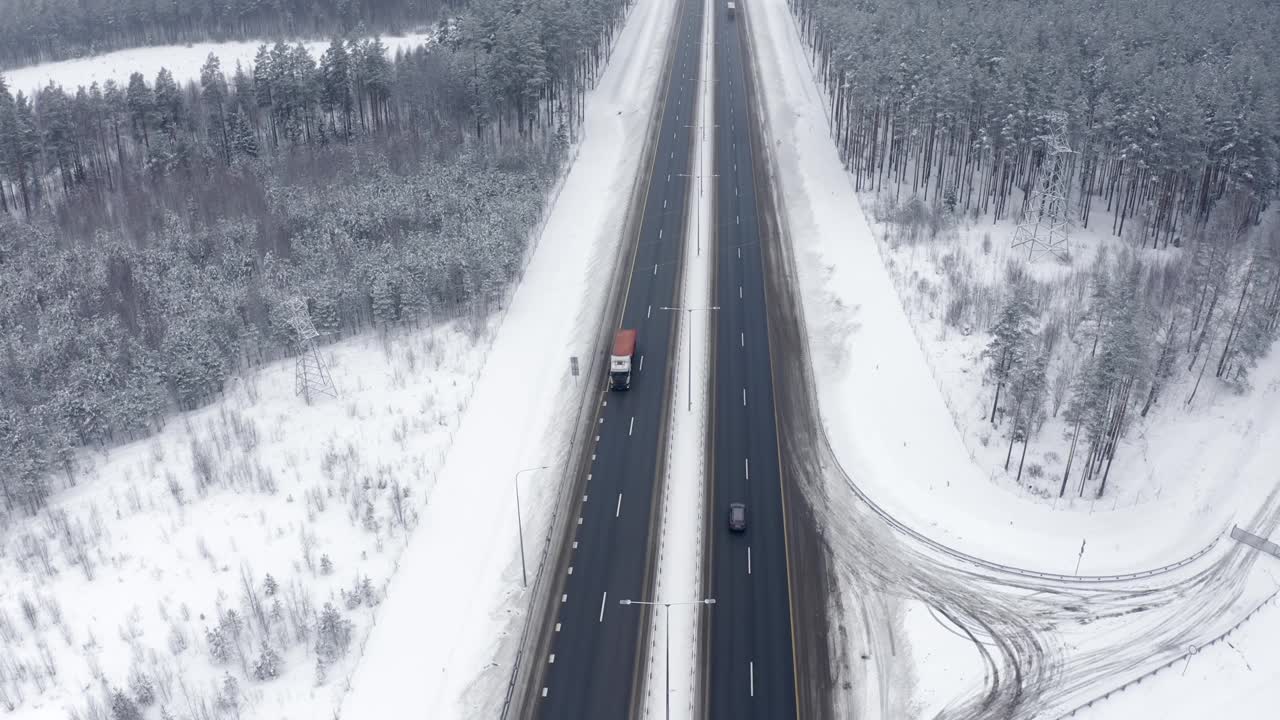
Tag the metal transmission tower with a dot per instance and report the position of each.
(1044, 226)
(311, 377)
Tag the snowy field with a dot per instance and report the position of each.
(183, 61)
(156, 564)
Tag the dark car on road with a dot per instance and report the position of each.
(737, 517)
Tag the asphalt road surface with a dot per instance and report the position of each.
(749, 651)
(590, 670)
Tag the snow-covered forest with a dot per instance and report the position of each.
(1173, 275)
(150, 233)
(45, 30)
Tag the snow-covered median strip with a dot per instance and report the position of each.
(448, 631)
(679, 573)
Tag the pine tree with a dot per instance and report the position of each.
(335, 86)
(142, 107)
(1010, 338)
(213, 87)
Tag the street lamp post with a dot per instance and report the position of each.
(689, 322)
(667, 607)
(524, 574)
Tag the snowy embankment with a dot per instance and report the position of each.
(887, 421)
(183, 61)
(447, 634)
(680, 544)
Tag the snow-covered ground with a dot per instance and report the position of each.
(447, 634)
(129, 570)
(680, 544)
(184, 61)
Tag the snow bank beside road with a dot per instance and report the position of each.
(446, 636)
(882, 410)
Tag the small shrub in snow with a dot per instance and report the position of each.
(142, 689)
(177, 640)
(267, 666)
(269, 586)
(229, 697)
(326, 565)
(322, 671)
(219, 648)
(123, 707)
(1035, 471)
(368, 592)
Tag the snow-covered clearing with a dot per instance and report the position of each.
(131, 570)
(447, 635)
(183, 61)
(680, 545)
(890, 424)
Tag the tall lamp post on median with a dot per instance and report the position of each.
(520, 521)
(689, 322)
(667, 607)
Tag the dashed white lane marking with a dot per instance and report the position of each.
(752, 670)
(633, 425)
(602, 598)
(584, 498)
(739, 292)
(746, 468)
(575, 544)
(579, 521)
(557, 627)
(641, 364)
(601, 421)
(742, 341)
(588, 477)
(655, 268)
(668, 177)
(617, 512)
(659, 233)
(544, 692)
(564, 598)
(649, 313)
(739, 253)
(552, 659)
(744, 397)
(737, 219)
(570, 569)
(664, 204)
(735, 191)
(748, 559)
